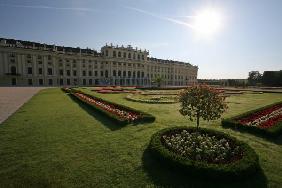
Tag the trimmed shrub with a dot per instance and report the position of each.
(270, 132)
(150, 101)
(239, 169)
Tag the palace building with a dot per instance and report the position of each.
(25, 63)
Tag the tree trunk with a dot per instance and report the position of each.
(198, 121)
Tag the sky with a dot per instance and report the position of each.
(249, 35)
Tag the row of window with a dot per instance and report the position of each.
(61, 82)
(157, 69)
(13, 55)
(118, 54)
(102, 73)
(39, 58)
(49, 82)
(40, 82)
(40, 71)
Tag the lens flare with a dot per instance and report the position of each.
(207, 21)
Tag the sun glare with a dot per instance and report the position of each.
(207, 21)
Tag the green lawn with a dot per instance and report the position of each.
(52, 141)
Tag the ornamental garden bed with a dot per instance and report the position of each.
(266, 121)
(119, 113)
(205, 153)
(152, 99)
(161, 92)
(115, 90)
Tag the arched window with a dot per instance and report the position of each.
(107, 53)
(124, 54)
(119, 73)
(106, 73)
(13, 70)
(114, 73)
(114, 54)
(138, 74)
(134, 74)
(129, 74)
(119, 54)
(129, 55)
(134, 56)
(124, 74)
(138, 56)
(142, 74)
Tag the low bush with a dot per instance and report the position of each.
(152, 100)
(237, 165)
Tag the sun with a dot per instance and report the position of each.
(207, 21)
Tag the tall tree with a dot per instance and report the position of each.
(272, 78)
(254, 78)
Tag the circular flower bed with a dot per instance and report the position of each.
(204, 152)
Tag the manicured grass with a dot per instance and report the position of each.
(53, 141)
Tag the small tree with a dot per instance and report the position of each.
(202, 101)
(158, 81)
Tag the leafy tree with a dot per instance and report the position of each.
(254, 78)
(272, 78)
(202, 101)
(158, 81)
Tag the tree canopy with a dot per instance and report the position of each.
(202, 101)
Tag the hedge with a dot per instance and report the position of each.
(145, 116)
(149, 101)
(271, 132)
(240, 169)
(164, 88)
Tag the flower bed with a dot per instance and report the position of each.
(207, 153)
(161, 92)
(119, 113)
(115, 90)
(266, 120)
(66, 89)
(152, 99)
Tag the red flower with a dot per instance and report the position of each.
(265, 118)
(113, 109)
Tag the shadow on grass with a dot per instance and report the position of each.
(275, 139)
(278, 140)
(163, 176)
(99, 116)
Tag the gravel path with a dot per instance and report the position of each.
(12, 98)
